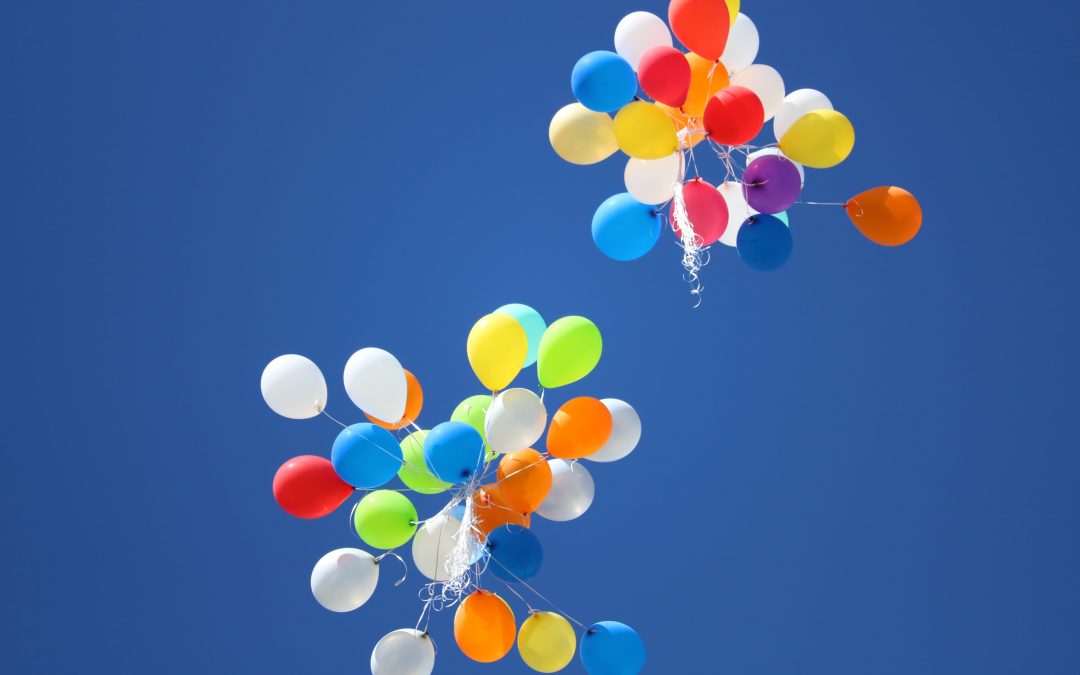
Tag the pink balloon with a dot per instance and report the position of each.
(706, 209)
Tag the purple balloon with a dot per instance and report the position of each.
(772, 184)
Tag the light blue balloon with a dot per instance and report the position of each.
(764, 242)
(603, 81)
(366, 456)
(624, 228)
(533, 324)
(612, 648)
(454, 451)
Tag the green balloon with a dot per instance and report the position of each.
(414, 472)
(569, 350)
(385, 519)
(471, 411)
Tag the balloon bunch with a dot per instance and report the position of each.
(712, 93)
(483, 459)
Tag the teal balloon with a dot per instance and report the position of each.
(783, 218)
(612, 648)
(625, 229)
(533, 324)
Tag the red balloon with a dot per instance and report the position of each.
(308, 487)
(701, 25)
(734, 116)
(706, 209)
(664, 74)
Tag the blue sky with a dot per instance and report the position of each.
(864, 462)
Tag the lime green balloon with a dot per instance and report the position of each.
(569, 350)
(385, 519)
(414, 472)
(472, 411)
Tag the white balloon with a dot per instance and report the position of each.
(344, 579)
(637, 33)
(625, 432)
(405, 651)
(795, 105)
(294, 387)
(375, 381)
(435, 541)
(515, 421)
(742, 44)
(764, 81)
(652, 181)
(571, 494)
(775, 151)
(738, 210)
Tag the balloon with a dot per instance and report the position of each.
(772, 184)
(308, 487)
(581, 136)
(366, 456)
(764, 243)
(533, 324)
(516, 553)
(734, 194)
(454, 452)
(701, 25)
(637, 33)
(580, 427)
(612, 648)
(889, 216)
(385, 519)
(652, 181)
(742, 45)
(645, 131)
(344, 579)
(706, 210)
(414, 472)
(524, 479)
(515, 420)
(491, 510)
(665, 75)
(294, 387)
(820, 139)
(435, 542)
(572, 491)
(625, 431)
(414, 402)
(625, 229)
(766, 83)
(795, 105)
(375, 381)
(783, 218)
(707, 78)
(569, 351)
(765, 152)
(484, 627)
(603, 81)
(472, 411)
(405, 651)
(497, 348)
(734, 116)
(546, 642)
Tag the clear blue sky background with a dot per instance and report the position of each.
(863, 463)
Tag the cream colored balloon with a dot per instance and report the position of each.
(764, 81)
(582, 136)
(652, 181)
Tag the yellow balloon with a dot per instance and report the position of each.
(645, 131)
(582, 136)
(733, 9)
(819, 139)
(497, 349)
(546, 642)
(707, 78)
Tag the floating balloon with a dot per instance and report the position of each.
(603, 81)
(414, 472)
(435, 542)
(582, 136)
(795, 105)
(625, 432)
(734, 116)
(308, 487)
(414, 403)
(652, 181)
(497, 349)
(516, 553)
(524, 479)
(734, 194)
(625, 229)
(820, 139)
(764, 81)
(571, 494)
(889, 216)
(484, 627)
(366, 456)
(515, 421)
(344, 579)
(546, 642)
(533, 324)
(742, 45)
(664, 75)
(707, 79)
(706, 210)
(772, 184)
(612, 648)
(637, 33)
(580, 427)
(701, 25)
(294, 387)
(766, 152)
(492, 510)
(405, 651)
(385, 519)
(569, 351)
(375, 382)
(454, 452)
(764, 243)
(472, 411)
(645, 131)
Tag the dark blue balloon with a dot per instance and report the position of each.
(454, 451)
(366, 456)
(764, 242)
(603, 81)
(624, 228)
(516, 553)
(612, 648)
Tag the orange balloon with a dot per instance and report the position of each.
(701, 25)
(414, 402)
(889, 216)
(492, 510)
(484, 627)
(579, 428)
(707, 78)
(524, 479)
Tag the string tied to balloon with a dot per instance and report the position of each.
(400, 560)
(695, 256)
